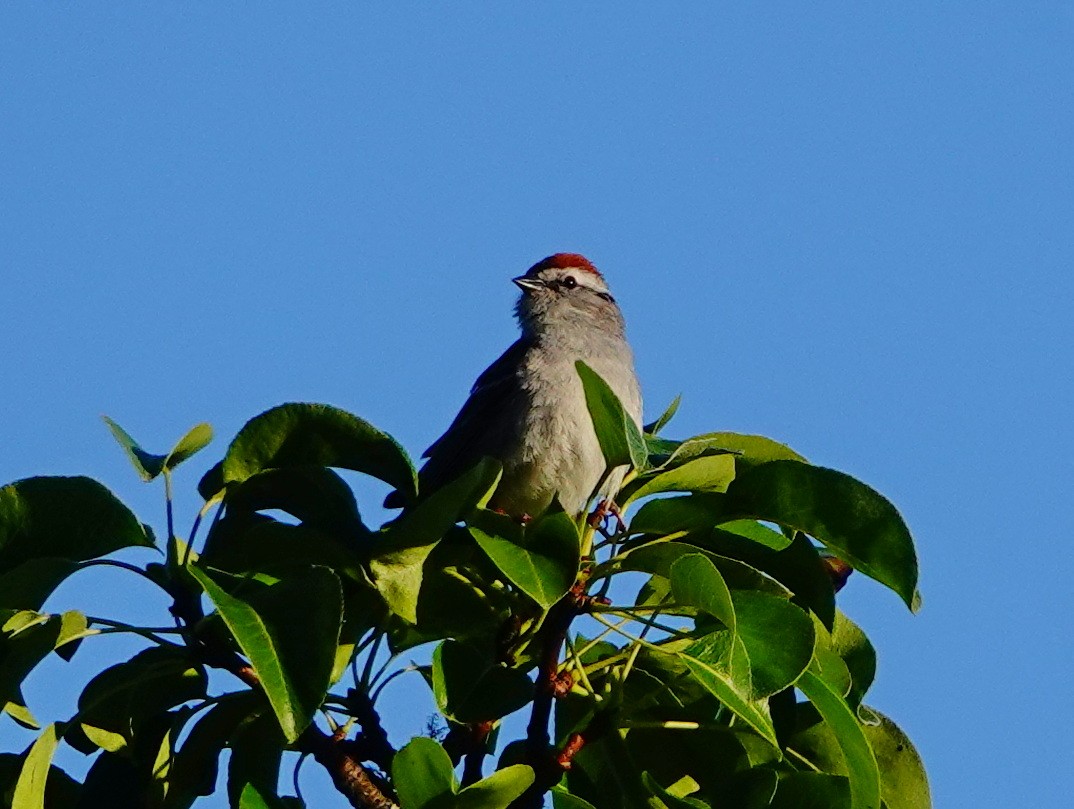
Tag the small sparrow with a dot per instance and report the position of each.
(528, 409)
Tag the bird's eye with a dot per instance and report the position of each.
(569, 282)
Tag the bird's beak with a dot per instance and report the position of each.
(527, 284)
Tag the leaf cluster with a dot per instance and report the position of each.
(678, 648)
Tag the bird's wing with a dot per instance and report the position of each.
(484, 426)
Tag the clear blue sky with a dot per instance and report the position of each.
(848, 228)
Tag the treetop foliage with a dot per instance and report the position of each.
(683, 650)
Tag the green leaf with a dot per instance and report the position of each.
(498, 790)
(26, 586)
(858, 755)
(422, 773)
(196, 439)
(752, 449)
(399, 553)
(809, 790)
(194, 769)
(459, 597)
(755, 532)
(117, 702)
(669, 800)
(720, 664)
(470, 688)
(854, 521)
(712, 473)
(540, 558)
(30, 788)
(654, 427)
(28, 638)
(73, 518)
(251, 798)
(61, 790)
(672, 515)
(619, 435)
(778, 637)
(146, 464)
(317, 435)
(244, 543)
(696, 581)
(850, 643)
(658, 557)
(797, 565)
(903, 782)
(562, 799)
(293, 659)
(315, 495)
(256, 752)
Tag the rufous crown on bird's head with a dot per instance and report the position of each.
(564, 261)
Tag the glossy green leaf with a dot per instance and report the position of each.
(619, 435)
(712, 473)
(903, 782)
(860, 762)
(317, 435)
(497, 790)
(850, 643)
(422, 773)
(797, 565)
(778, 637)
(658, 557)
(399, 553)
(541, 558)
(756, 532)
(720, 664)
(669, 413)
(293, 659)
(753, 449)
(854, 521)
(689, 513)
(696, 581)
(73, 518)
(470, 688)
(30, 788)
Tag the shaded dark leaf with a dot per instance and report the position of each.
(399, 552)
(470, 688)
(116, 703)
(317, 435)
(73, 518)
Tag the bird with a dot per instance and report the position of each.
(528, 409)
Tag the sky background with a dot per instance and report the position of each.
(848, 228)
